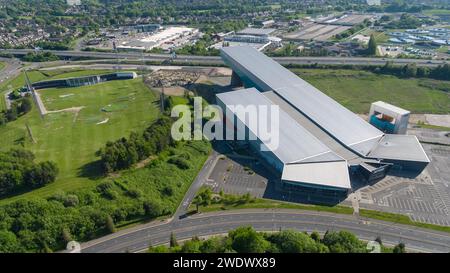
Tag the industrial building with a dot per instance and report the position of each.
(389, 118)
(321, 143)
(258, 38)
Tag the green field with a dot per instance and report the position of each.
(35, 76)
(432, 12)
(380, 37)
(356, 90)
(69, 73)
(71, 139)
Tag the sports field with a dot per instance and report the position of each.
(356, 90)
(71, 138)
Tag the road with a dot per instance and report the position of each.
(11, 70)
(138, 239)
(196, 185)
(210, 60)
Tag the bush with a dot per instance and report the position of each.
(18, 171)
(179, 162)
(124, 152)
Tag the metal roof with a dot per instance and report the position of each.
(399, 147)
(330, 174)
(295, 142)
(268, 75)
(392, 108)
(256, 31)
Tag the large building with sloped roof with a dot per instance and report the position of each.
(321, 143)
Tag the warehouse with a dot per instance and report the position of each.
(321, 134)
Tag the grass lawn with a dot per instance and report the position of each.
(71, 140)
(70, 73)
(444, 49)
(356, 90)
(17, 82)
(401, 219)
(2, 65)
(431, 12)
(260, 203)
(380, 36)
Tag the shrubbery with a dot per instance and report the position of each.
(19, 107)
(39, 225)
(18, 171)
(40, 57)
(247, 240)
(124, 152)
(440, 72)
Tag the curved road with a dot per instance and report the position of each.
(139, 238)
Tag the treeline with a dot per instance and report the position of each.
(40, 57)
(201, 47)
(408, 21)
(440, 72)
(18, 171)
(19, 106)
(48, 45)
(247, 240)
(123, 153)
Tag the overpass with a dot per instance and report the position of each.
(216, 60)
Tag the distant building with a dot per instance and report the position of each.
(147, 28)
(373, 2)
(267, 23)
(73, 2)
(265, 32)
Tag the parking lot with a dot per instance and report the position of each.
(239, 175)
(425, 198)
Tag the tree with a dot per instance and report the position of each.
(247, 240)
(192, 246)
(8, 242)
(158, 249)
(41, 174)
(409, 70)
(343, 242)
(110, 224)
(152, 208)
(173, 240)
(289, 241)
(372, 48)
(67, 237)
(315, 236)
(400, 248)
(25, 105)
(198, 201)
(378, 240)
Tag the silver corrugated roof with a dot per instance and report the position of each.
(340, 122)
(331, 174)
(399, 147)
(295, 142)
(256, 31)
